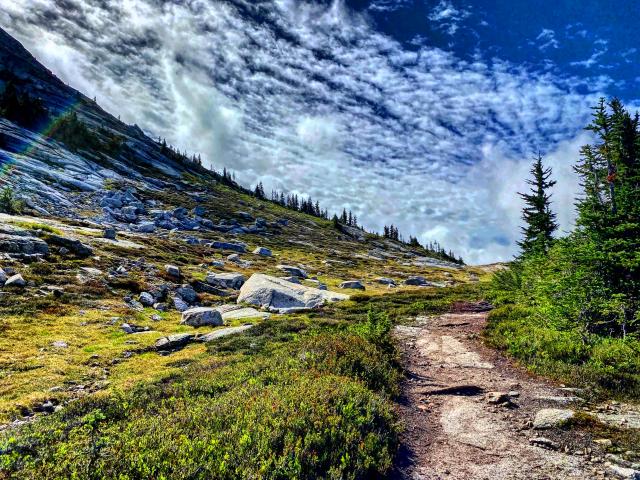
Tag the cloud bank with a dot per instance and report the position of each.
(310, 98)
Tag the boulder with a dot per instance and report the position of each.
(147, 227)
(22, 245)
(180, 213)
(234, 247)
(352, 284)
(3, 276)
(201, 317)
(173, 342)
(146, 299)
(199, 211)
(552, 417)
(110, 233)
(265, 252)
(293, 271)
(75, 246)
(385, 281)
(232, 280)
(187, 293)
(422, 282)
(15, 281)
(179, 304)
(172, 271)
(279, 295)
(222, 332)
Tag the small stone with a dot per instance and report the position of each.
(544, 443)
(60, 344)
(265, 252)
(63, 251)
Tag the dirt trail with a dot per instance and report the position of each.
(453, 431)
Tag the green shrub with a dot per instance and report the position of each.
(9, 203)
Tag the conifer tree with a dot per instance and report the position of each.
(540, 221)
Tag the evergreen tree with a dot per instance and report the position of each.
(540, 221)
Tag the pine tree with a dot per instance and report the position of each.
(539, 219)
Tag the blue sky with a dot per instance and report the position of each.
(424, 114)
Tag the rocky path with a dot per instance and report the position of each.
(468, 412)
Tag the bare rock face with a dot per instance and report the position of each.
(279, 295)
(202, 316)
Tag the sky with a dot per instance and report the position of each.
(421, 113)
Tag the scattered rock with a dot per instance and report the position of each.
(421, 282)
(75, 246)
(146, 227)
(232, 280)
(223, 332)
(235, 247)
(146, 299)
(199, 211)
(15, 281)
(187, 293)
(202, 316)
(544, 443)
(497, 398)
(293, 271)
(174, 342)
(172, 271)
(623, 472)
(352, 284)
(265, 252)
(110, 233)
(282, 296)
(552, 417)
(385, 281)
(179, 304)
(60, 344)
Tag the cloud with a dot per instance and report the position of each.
(547, 38)
(309, 97)
(448, 16)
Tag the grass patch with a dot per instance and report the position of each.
(36, 226)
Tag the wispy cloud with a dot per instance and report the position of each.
(311, 98)
(547, 39)
(448, 16)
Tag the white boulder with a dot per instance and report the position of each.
(281, 296)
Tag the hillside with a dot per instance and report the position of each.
(109, 236)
